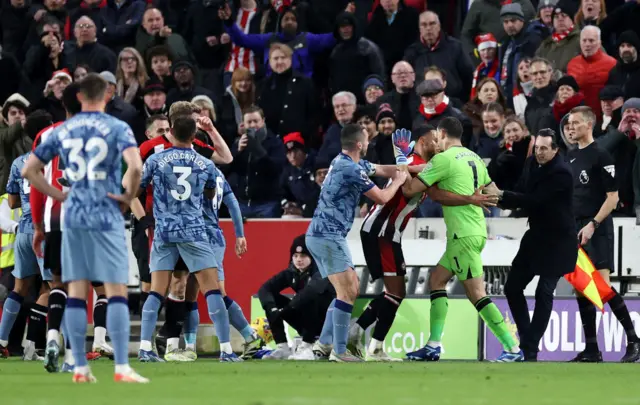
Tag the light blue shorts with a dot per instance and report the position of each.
(218, 253)
(332, 255)
(196, 255)
(95, 256)
(27, 263)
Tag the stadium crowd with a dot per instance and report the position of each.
(314, 66)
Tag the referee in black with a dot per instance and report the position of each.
(595, 196)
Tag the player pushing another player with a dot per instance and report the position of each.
(461, 171)
(91, 146)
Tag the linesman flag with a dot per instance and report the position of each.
(587, 281)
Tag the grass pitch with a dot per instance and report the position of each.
(318, 383)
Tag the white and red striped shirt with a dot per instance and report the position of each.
(40, 203)
(242, 57)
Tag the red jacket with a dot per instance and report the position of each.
(591, 74)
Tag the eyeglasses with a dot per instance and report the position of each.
(402, 74)
(85, 26)
(127, 59)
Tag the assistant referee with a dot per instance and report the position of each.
(595, 196)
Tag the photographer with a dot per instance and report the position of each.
(305, 312)
(258, 160)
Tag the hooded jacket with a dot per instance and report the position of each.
(351, 61)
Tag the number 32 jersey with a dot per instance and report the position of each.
(90, 146)
(179, 177)
(459, 171)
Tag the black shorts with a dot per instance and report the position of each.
(52, 247)
(383, 257)
(600, 246)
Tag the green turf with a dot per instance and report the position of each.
(318, 383)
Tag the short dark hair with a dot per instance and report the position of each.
(157, 117)
(253, 109)
(452, 126)
(549, 133)
(586, 112)
(36, 122)
(350, 135)
(93, 87)
(436, 69)
(159, 50)
(70, 99)
(421, 130)
(184, 129)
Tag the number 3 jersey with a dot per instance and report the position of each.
(179, 177)
(90, 147)
(459, 171)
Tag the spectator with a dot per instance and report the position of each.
(154, 103)
(80, 72)
(436, 48)
(306, 311)
(542, 96)
(568, 96)
(157, 125)
(365, 116)
(14, 27)
(86, 50)
(524, 88)
(611, 101)
(564, 44)
(545, 12)
(186, 87)
(353, 59)
(42, 61)
(120, 19)
(240, 95)
(305, 44)
(154, 32)
(591, 68)
(258, 160)
(46, 25)
(174, 11)
(393, 27)
(91, 9)
(14, 141)
(287, 97)
(321, 169)
(373, 89)
(13, 77)
(403, 99)
(627, 69)
(484, 17)
(623, 18)
(487, 143)
(248, 20)
(48, 10)
(435, 106)
(207, 109)
(381, 145)
(515, 148)
(116, 106)
(131, 75)
(489, 91)
(489, 64)
(296, 179)
(522, 40)
(52, 102)
(591, 12)
(160, 61)
(344, 106)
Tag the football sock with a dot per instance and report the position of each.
(588, 316)
(237, 319)
(220, 318)
(370, 314)
(619, 308)
(149, 319)
(100, 320)
(493, 318)
(386, 315)
(57, 304)
(191, 325)
(118, 323)
(10, 312)
(438, 316)
(341, 318)
(175, 312)
(37, 330)
(76, 319)
(326, 336)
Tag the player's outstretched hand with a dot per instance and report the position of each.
(241, 246)
(484, 201)
(123, 199)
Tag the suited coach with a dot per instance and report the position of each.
(549, 247)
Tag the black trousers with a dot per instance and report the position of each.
(530, 330)
(307, 320)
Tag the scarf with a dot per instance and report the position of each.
(429, 114)
(562, 109)
(131, 92)
(559, 36)
(483, 70)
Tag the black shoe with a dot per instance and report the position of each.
(632, 354)
(587, 357)
(161, 342)
(530, 357)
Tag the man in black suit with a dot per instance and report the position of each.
(549, 247)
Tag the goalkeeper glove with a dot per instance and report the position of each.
(402, 145)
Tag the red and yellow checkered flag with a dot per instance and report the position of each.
(587, 281)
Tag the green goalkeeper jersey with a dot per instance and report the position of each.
(459, 171)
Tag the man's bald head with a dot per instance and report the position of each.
(403, 76)
(590, 42)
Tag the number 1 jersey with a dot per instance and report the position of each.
(90, 146)
(179, 177)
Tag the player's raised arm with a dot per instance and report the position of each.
(222, 154)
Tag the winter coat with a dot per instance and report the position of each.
(591, 74)
(120, 23)
(39, 67)
(176, 44)
(97, 56)
(229, 116)
(14, 27)
(506, 168)
(14, 142)
(331, 145)
(538, 111)
(623, 18)
(13, 78)
(203, 22)
(404, 105)
(560, 53)
(298, 182)
(625, 75)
